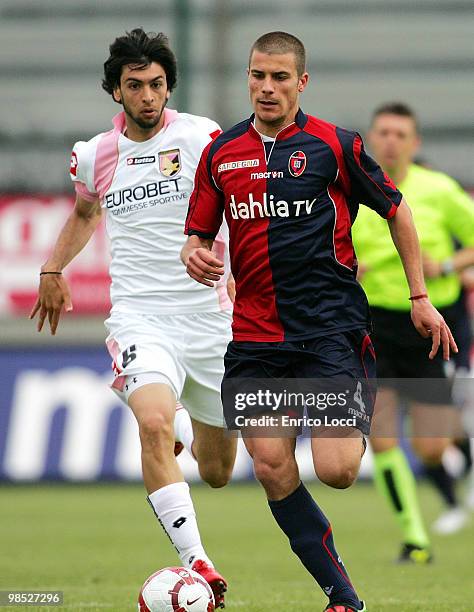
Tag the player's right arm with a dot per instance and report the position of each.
(53, 292)
(203, 222)
(201, 264)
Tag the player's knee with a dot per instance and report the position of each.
(215, 475)
(155, 429)
(337, 476)
(271, 471)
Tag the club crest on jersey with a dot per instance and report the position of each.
(297, 163)
(170, 162)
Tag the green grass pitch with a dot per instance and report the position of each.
(98, 544)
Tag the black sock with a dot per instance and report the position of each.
(443, 481)
(310, 536)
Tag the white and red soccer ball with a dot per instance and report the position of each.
(176, 589)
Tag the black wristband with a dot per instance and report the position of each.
(42, 273)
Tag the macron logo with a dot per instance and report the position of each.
(274, 174)
(358, 397)
(268, 207)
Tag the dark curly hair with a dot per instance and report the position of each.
(141, 49)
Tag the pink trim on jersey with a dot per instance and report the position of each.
(170, 116)
(221, 286)
(106, 156)
(83, 192)
(119, 123)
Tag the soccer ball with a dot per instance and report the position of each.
(176, 589)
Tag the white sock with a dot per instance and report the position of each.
(183, 428)
(174, 509)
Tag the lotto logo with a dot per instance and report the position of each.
(138, 161)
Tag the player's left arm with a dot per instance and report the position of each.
(372, 187)
(426, 319)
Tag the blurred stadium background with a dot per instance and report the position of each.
(58, 419)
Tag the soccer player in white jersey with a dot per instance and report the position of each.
(167, 335)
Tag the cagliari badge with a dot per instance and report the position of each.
(297, 163)
(170, 162)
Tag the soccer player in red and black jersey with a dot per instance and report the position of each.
(290, 185)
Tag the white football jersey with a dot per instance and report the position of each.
(144, 189)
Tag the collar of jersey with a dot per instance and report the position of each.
(287, 132)
(120, 124)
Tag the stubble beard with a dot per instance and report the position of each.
(278, 121)
(143, 123)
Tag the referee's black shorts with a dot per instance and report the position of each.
(402, 357)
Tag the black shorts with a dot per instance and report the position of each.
(402, 357)
(344, 356)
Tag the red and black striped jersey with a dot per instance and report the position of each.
(290, 205)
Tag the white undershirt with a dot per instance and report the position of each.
(264, 137)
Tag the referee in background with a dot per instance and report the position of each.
(442, 212)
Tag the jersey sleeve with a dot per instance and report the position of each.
(458, 208)
(201, 132)
(81, 171)
(214, 129)
(206, 204)
(209, 131)
(369, 184)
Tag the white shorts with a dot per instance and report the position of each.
(186, 349)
